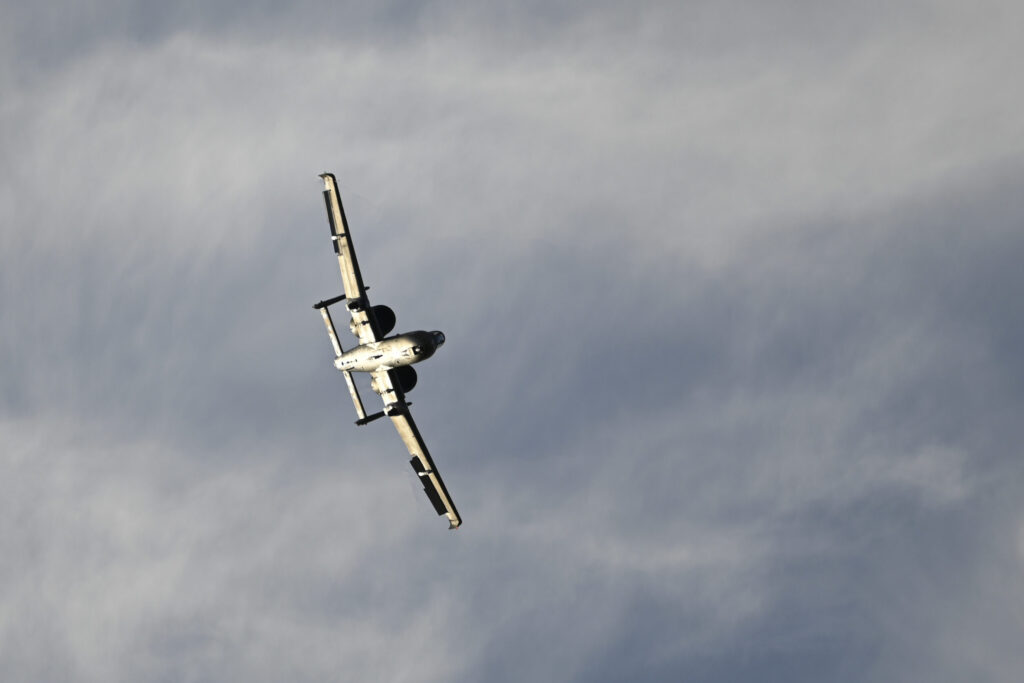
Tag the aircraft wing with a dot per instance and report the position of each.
(397, 409)
(355, 292)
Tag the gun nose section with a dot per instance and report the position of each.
(438, 336)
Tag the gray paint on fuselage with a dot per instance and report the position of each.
(393, 352)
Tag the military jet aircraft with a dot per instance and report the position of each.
(388, 359)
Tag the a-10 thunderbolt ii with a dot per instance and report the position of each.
(389, 360)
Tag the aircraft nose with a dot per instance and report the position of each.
(438, 337)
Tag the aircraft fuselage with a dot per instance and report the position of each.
(391, 352)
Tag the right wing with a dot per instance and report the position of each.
(397, 409)
(355, 293)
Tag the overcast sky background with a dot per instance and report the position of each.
(733, 383)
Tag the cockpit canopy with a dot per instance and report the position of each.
(438, 337)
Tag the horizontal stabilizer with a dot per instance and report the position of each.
(369, 418)
(329, 302)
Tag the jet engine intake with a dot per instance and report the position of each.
(385, 318)
(404, 377)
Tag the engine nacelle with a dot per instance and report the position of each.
(405, 377)
(385, 318)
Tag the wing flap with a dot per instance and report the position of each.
(351, 278)
(428, 488)
(421, 461)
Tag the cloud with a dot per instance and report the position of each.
(732, 378)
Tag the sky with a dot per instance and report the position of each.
(733, 381)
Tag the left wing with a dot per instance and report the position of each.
(355, 292)
(397, 409)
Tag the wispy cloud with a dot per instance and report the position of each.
(732, 382)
